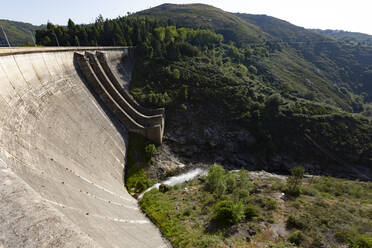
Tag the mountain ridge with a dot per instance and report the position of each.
(266, 29)
(347, 36)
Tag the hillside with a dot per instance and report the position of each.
(19, 33)
(209, 17)
(343, 64)
(265, 92)
(348, 37)
(328, 65)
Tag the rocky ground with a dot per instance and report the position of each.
(193, 139)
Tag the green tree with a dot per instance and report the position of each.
(70, 24)
(170, 34)
(160, 33)
(272, 105)
(294, 181)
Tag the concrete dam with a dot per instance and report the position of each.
(64, 123)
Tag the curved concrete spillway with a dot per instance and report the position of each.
(62, 156)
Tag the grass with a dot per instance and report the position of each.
(329, 211)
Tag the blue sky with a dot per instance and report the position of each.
(325, 14)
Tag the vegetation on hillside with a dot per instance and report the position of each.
(345, 65)
(240, 209)
(18, 33)
(353, 38)
(203, 16)
(272, 90)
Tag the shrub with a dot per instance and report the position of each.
(250, 212)
(296, 237)
(216, 179)
(150, 151)
(227, 213)
(270, 204)
(187, 212)
(309, 191)
(220, 189)
(230, 182)
(243, 185)
(317, 241)
(267, 203)
(296, 222)
(293, 191)
(361, 241)
(294, 181)
(137, 180)
(243, 193)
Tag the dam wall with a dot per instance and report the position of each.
(62, 157)
(151, 127)
(120, 78)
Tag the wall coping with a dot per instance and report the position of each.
(5, 51)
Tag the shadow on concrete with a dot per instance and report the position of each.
(125, 69)
(117, 124)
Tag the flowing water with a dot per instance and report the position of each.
(171, 181)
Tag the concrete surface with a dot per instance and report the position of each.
(152, 127)
(62, 156)
(107, 94)
(143, 119)
(118, 71)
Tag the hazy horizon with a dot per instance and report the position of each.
(340, 15)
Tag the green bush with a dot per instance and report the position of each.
(220, 189)
(361, 241)
(296, 237)
(309, 191)
(294, 181)
(293, 191)
(250, 212)
(216, 181)
(270, 204)
(227, 213)
(150, 151)
(137, 180)
(230, 182)
(267, 203)
(296, 222)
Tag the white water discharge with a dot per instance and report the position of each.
(177, 179)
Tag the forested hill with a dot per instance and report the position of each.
(348, 37)
(324, 61)
(18, 33)
(229, 25)
(265, 92)
(342, 63)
